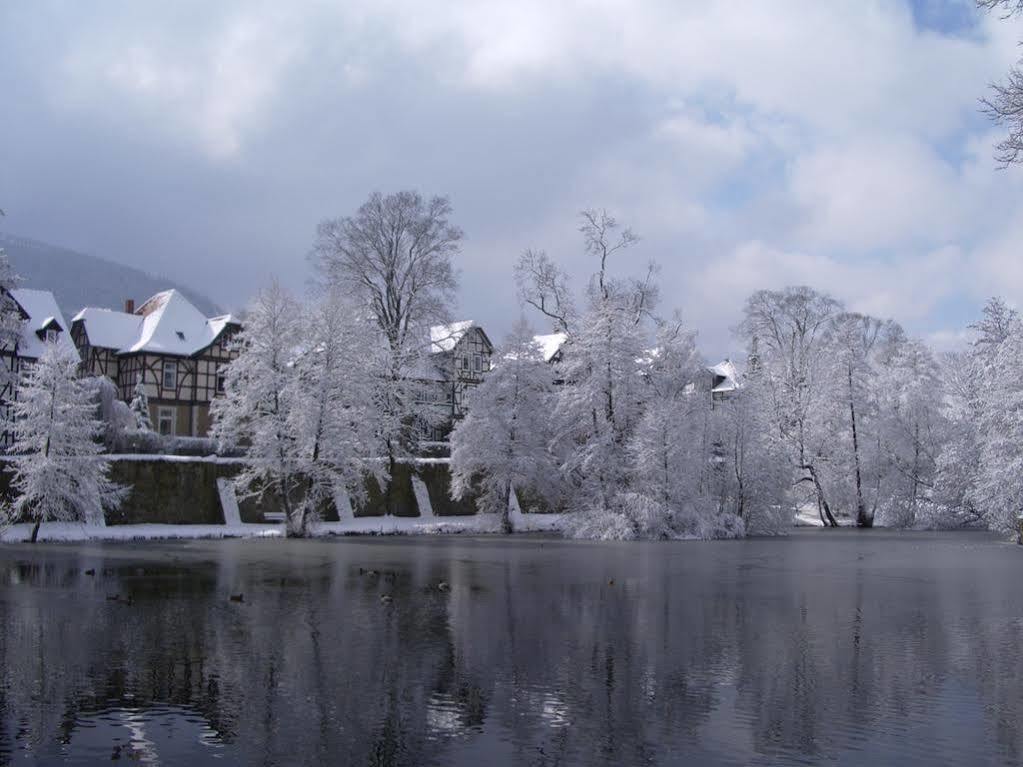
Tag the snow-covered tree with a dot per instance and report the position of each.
(972, 408)
(336, 418)
(10, 318)
(394, 260)
(56, 463)
(299, 400)
(602, 400)
(140, 406)
(999, 485)
(793, 329)
(912, 430)
(670, 450)
(754, 474)
(503, 443)
(855, 336)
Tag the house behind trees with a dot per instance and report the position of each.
(460, 356)
(41, 322)
(177, 352)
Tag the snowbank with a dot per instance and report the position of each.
(474, 525)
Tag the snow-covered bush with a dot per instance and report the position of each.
(112, 413)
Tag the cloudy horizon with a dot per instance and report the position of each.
(837, 145)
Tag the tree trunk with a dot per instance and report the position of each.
(506, 525)
(862, 518)
(35, 530)
(832, 522)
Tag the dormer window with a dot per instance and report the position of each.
(52, 336)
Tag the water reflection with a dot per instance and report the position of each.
(833, 648)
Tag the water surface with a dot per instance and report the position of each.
(841, 648)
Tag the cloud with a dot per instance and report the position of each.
(213, 89)
(833, 144)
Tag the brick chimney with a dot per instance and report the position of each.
(129, 306)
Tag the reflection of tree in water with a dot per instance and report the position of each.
(412, 653)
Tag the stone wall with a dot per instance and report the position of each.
(177, 490)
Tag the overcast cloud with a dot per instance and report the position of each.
(753, 144)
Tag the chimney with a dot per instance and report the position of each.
(129, 306)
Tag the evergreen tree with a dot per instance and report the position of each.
(57, 467)
(140, 406)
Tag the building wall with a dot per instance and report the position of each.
(196, 383)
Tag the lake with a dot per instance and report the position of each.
(822, 647)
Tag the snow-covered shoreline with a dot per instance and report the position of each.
(476, 524)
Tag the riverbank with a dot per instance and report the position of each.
(480, 524)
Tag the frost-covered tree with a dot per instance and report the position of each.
(299, 402)
(602, 401)
(335, 415)
(140, 406)
(670, 449)
(58, 471)
(971, 407)
(999, 484)
(1004, 106)
(912, 430)
(394, 260)
(10, 318)
(794, 328)
(256, 410)
(754, 474)
(855, 337)
(503, 444)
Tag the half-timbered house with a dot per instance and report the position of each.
(460, 357)
(177, 352)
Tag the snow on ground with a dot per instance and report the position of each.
(477, 524)
(807, 517)
(76, 531)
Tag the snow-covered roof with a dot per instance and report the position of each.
(444, 338)
(167, 323)
(108, 329)
(550, 344)
(43, 313)
(725, 370)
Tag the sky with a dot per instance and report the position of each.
(751, 145)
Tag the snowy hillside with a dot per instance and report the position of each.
(79, 280)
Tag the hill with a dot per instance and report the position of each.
(79, 280)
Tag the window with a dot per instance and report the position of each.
(465, 362)
(165, 421)
(52, 335)
(170, 375)
(221, 379)
(477, 363)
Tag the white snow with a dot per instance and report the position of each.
(42, 310)
(444, 338)
(422, 497)
(167, 323)
(389, 525)
(726, 370)
(107, 329)
(228, 502)
(550, 344)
